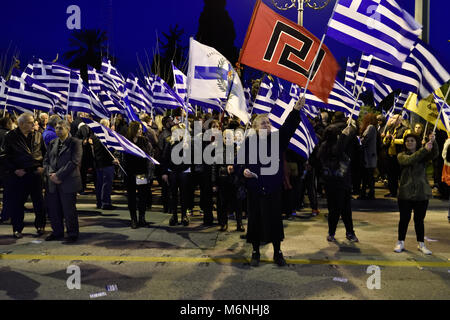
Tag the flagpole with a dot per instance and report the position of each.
(356, 77)
(425, 131)
(123, 170)
(317, 54)
(391, 110)
(440, 111)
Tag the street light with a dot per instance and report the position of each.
(314, 4)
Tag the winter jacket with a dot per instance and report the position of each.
(413, 180)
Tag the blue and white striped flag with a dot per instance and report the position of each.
(3, 91)
(116, 142)
(55, 77)
(111, 104)
(340, 99)
(406, 78)
(431, 72)
(180, 82)
(26, 94)
(111, 72)
(267, 95)
(445, 113)
(309, 109)
(380, 91)
(350, 76)
(163, 96)
(139, 99)
(304, 139)
(378, 27)
(95, 80)
(82, 99)
(362, 74)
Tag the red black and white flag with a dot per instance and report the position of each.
(281, 47)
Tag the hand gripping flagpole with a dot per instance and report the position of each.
(395, 103)
(440, 111)
(317, 55)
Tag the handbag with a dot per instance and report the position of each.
(141, 179)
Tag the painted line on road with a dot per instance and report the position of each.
(387, 263)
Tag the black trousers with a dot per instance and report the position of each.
(62, 208)
(179, 182)
(368, 182)
(30, 184)
(202, 179)
(309, 183)
(420, 209)
(138, 199)
(339, 204)
(227, 201)
(393, 174)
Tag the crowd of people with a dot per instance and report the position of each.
(49, 159)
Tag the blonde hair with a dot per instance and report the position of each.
(158, 121)
(257, 121)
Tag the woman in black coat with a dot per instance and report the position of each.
(137, 176)
(265, 223)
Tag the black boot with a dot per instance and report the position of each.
(142, 222)
(173, 220)
(240, 227)
(279, 259)
(134, 223)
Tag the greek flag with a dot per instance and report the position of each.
(309, 109)
(350, 76)
(380, 91)
(406, 78)
(304, 139)
(81, 99)
(363, 75)
(95, 80)
(111, 104)
(116, 142)
(431, 72)
(3, 91)
(378, 27)
(163, 96)
(340, 99)
(112, 73)
(137, 95)
(445, 113)
(180, 82)
(26, 94)
(267, 95)
(55, 77)
(402, 97)
(211, 76)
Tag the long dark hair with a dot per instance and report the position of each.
(133, 129)
(369, 119)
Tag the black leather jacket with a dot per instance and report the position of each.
(20, 154)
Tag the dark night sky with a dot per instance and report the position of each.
(38, 28)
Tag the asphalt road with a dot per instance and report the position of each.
(197, 263)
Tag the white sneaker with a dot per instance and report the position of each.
(424, 249)
(400, 246)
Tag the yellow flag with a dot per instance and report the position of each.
(426, 108)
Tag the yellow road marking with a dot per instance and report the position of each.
(386, 263)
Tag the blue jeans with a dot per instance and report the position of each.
(103, 189)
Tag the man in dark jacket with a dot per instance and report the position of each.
(104, 167)
(24, 150)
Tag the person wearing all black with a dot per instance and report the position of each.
(177, 175)
(163, 139)
(336, 175)
(5, 127)
(308, 184)
(438, 164)
(264, 187)
(201, 175)
(369, 148)
(137, 176)
(225, 184)
(104, 163)
(24, 152)
(86, 135)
